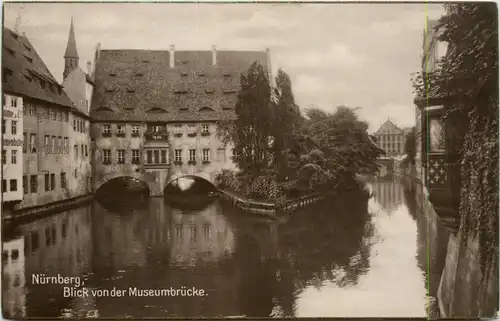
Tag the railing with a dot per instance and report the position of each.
(156, 136)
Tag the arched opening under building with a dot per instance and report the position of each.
(123, 192)
(190, 192)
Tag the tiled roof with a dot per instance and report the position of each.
(140, 85)
(25, 73)
(388, 126)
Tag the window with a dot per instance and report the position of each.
(205, 156)
(135, 130)
(4, 185)
(34, 184)
(53, 144)
(25, 184)
(163, 156)
(75, 149)
(25, 142)
(121, 130)
(47, 183)
(47, 113)
(191, 130)
(178, 155)
(53, 115)
(149, 157)
(192, 155)
(4, 125)
(46, 144)
(4, 156)
(4, 100)
(135, 156)
(63, 180)
(60, 146)
(178, 130)
(13, 127)
(436, 133)
(121, 156)
(86, 151)
(66, 144)
(106, 153)
(13, 101)
(25, 109)
(32, 110)
(13, 156)
(74, 124)
(83, 150)
(13, 185)
(76, 173)
(52, 181)
(156, 156)
(33, 143)
(204, 129)
(106, 129)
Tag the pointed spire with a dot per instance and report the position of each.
(71, 51)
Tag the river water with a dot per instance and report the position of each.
(349, 257)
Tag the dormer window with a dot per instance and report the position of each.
(139, 74)
(201, 74)
(14, 35)
(130, 90)
(184, 73)
(28, 78)
(30, 60)
(10, 51)
(7, 73)
(226, 74)
(209, 90)
(27, 48)
(110, 89)
(112, 74)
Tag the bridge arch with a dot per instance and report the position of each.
(209, 177)
(153, 185)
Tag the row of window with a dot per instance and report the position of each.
(13, 101)
(390, 138)
(13, 156)
(155, 156)
(120, 129)
(13, 127)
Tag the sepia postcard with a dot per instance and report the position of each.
(249, 160)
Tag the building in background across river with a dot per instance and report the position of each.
(391, 138)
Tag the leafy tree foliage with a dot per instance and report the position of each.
(286, 119)
(409, 147)
(250, 132)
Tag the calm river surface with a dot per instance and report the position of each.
(350, 257)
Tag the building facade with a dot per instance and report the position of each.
(391, 139)
(79, 86)
(12, 149)
(155, 113)
(46, 129)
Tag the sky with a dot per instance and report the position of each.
(351, 54)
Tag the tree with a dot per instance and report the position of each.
(410, 146)
(286, 119)
(252, 128)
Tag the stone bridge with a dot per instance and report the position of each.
(156, 179)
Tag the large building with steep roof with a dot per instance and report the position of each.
(47, 124)
(391, 139)
(155, 112)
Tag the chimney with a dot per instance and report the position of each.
(214, 55)
(172, 56)
(89, 68)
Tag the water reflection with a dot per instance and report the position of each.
(351, 257)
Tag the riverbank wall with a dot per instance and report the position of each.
(270, 210)
(31, 213)
(465, 289)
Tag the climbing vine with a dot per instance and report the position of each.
(468, 76)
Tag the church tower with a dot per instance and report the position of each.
(71, 55)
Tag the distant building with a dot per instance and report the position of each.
(155, 113)
(390, 138)
(79, 86)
